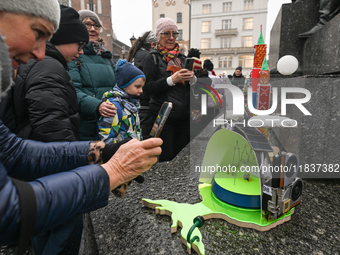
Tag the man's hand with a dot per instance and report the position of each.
(131, 160)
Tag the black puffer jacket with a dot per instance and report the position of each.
(157, 87)
(45, 101)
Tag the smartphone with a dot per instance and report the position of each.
(189, 63)
(162, 116)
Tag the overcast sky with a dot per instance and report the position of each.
(135, 17)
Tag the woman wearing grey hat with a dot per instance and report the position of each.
(46, 109)
(28, 208)
(92, 74)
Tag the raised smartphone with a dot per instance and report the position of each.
(189, 63)
(162, 116)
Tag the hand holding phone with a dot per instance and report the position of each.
(162, 116)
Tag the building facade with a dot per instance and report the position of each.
(179, 11)
(103, 9)
(225, 31)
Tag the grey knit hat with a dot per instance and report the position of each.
(46, 9)
(5, 69)
(89, 14)
(151, 38)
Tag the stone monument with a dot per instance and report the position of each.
(316, 139)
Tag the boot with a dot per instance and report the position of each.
(328, 9)
(309, 33)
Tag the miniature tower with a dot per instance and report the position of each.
(260, 50)
(263, 92)
(263, 88)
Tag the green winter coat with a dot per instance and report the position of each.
(97, 75)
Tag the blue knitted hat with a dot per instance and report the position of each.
(127, 73)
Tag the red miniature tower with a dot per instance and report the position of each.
(260, 50)
(263, 92)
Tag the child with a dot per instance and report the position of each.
(130, 82)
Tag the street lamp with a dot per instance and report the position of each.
(124, 51)
(133, 39)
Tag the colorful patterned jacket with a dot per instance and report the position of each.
(125, 123)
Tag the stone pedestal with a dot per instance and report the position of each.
(293, 19)
(316, 139)
(321, 54)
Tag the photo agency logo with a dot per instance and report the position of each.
(263, 117)
(204, 100)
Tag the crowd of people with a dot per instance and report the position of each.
(74, 125)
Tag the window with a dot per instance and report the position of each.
(247, 41)
(91, 5)
(225, 42)
(247, 23)
(225, 62)
(162, 16)
(205, 43)
(246, 61)
(248, 4)
(226, 24)
(179, 17)
(99, 2)
(180, 35)
(206, 8)
(206, 26)
(227, 7)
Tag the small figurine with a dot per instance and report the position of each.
(246, 177)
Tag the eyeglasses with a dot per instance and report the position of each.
(168, 34)
(81, 45)
(89, 25)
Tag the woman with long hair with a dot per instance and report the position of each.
(137, 54)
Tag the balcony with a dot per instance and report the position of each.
(222, 32)
(232, 50)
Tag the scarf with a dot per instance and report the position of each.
(166, 54)
(98, 47)
(125, 99)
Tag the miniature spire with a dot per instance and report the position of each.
(264, 65)
(260, 41)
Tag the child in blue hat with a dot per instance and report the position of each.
(124, 96)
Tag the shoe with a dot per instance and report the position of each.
(309, 33)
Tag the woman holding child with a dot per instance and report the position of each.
(167, 80)
(92, 74)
